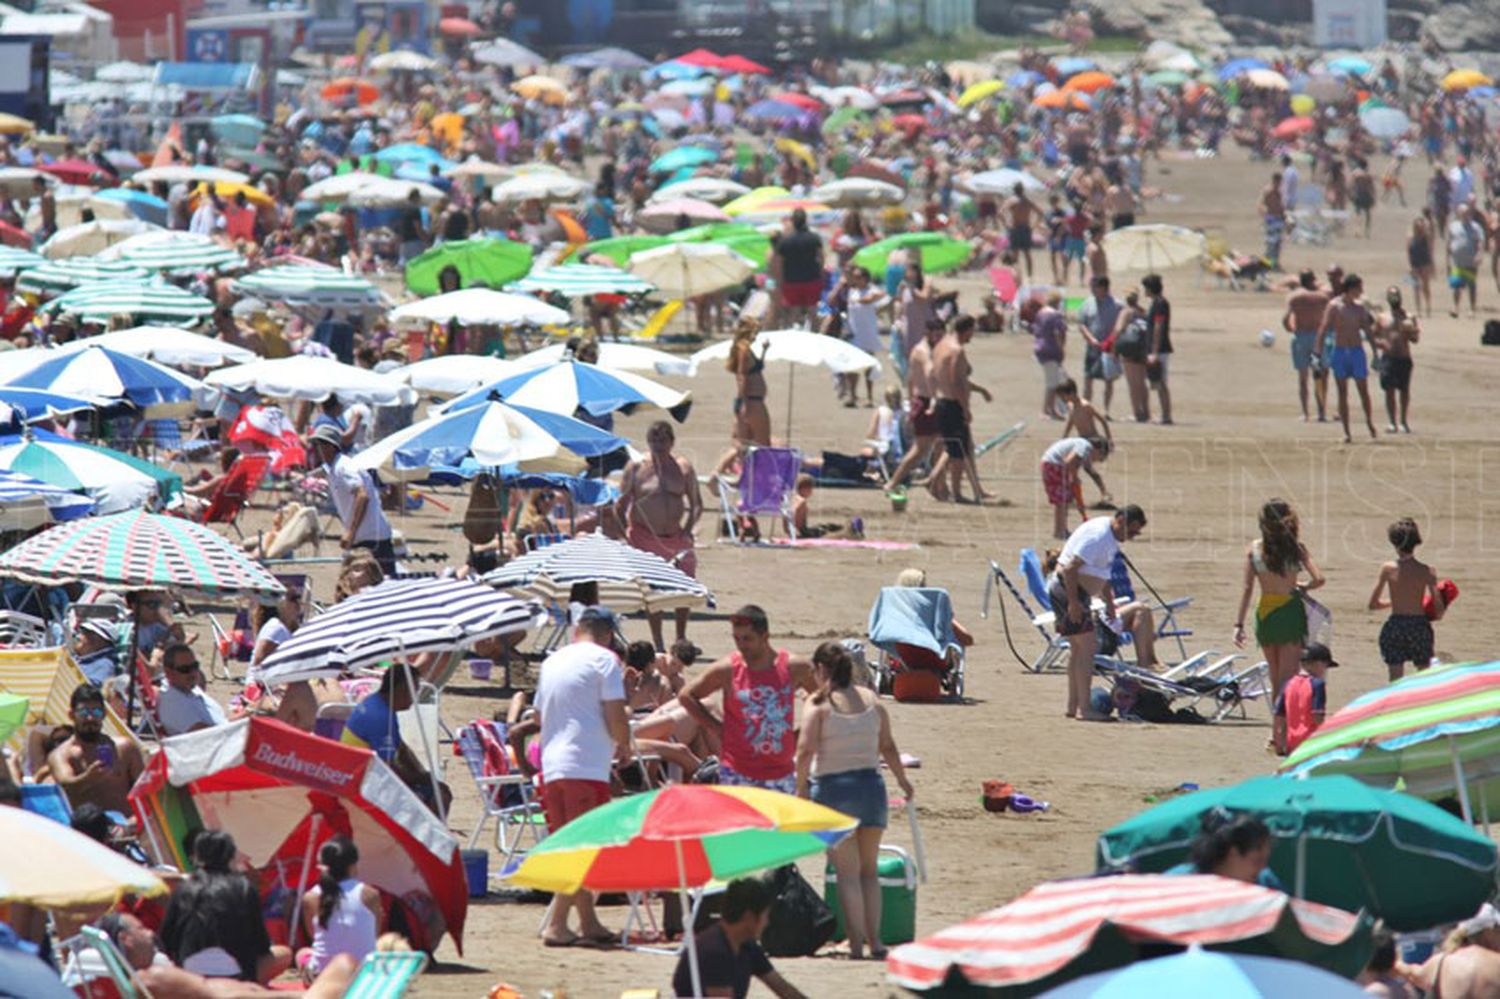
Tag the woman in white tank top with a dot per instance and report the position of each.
(342, 915)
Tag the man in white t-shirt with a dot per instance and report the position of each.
(184, 707)
(354, 497)
(1082, 574)
(580, 698)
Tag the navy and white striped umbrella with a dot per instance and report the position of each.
(399, 617)
(57, 276)
(568, 386)
(107, 375)
(628, 578)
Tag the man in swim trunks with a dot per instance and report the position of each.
(1273, 215)
(951, 390)
(924, 427)
(1019, 212)
(1304, 314)
(1349, 320)
(660, 504)
(1465, 243)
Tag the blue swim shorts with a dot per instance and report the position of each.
(1350, 362)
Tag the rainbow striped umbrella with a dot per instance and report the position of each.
(1438, 732)
(135, 550)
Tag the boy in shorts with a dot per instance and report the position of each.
(1303, 700)
(1406, 636)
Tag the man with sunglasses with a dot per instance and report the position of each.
(184, 706)
(93, 767)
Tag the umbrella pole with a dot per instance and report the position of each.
(130, 657)
(687, 923)
(1484, 808)
(791, 385)
(1301, 885)
(1458, 777)
(307, 858)
(437, 793)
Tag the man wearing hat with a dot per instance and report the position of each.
(354, 497)
(95, 650)
(1303, 700)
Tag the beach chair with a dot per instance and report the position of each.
(1210, 673)
(235, 644)
(1121, 581)
(767, 483)
(231, 496)
(386, 975)
(506, 795)
(913, 629)
(1054, 654)
(1143, 695)
(21, 631)
(657, 322)
(99, 968)
(535, 541)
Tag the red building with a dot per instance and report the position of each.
(150, 29)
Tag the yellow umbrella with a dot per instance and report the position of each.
(51, 866)
(229, 188)
(1463, 79)
(13, 124)
(979, 91)
(794, 148)
(749, 202)
(541, 88)
(1303, 104)
(449, 126)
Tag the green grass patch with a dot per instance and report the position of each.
(979, 44)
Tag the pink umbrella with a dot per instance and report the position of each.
(739, 64)
(804, 101)
(663, 216)
(1293, 127)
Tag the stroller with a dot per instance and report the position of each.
(920, 659)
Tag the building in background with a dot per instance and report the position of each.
(1349, 24)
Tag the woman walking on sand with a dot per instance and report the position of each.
(752, 420)
(1277, 560)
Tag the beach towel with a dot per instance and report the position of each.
(921, 617)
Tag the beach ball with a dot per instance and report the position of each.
(1267, 338)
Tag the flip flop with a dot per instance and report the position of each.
(607, 941)
(569, 942)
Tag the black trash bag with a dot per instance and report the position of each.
(801, 922)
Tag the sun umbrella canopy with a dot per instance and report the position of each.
(1290, 128)
(1465, 79)
(1153, 247)
(57, 276)
(493, 434)
(91, 237)
(1064, 929)
(115, 481)
(683, 156)
(1385, 123)
(746, 240)
(1002, 182)
(169, 345)
(399, 617)
(687, 270)
(14, 260)
(539, 187)
(580, 280)
(1197, 972)
(628, 578)
(977, 92)
(101, 303)
(182, 173)
(20, 182)
(614, 356)
(481, 307)
(18, 489)
(1336, 841)
(177, 253)
(610, 58)
(665, 216)
(541, 88)
(488, 263)
(858, 192)
(716, 190)
(940, 253)
(402, 60)
(794, 347)
(35, 404)
(53, 867)
(14, 707)
(312, 379)
(569, 386)
(347, 89)
(390, 192)
(75, 171)
(1239, 67)
(1090, 82)
(504, 52)
(317, 287)
(620, 248)
(100, 373)
(1266, 79)
(336, 189)
(454, 374)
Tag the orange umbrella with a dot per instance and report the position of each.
(1057, 100)
(1090, 82)
(571, 227)
(459, 26)
(345, 87)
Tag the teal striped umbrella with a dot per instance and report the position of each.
(177, 254)
(57, 276)
(136, 550)
(577, 280)
(14, 260)
(160, 303)
(296, 284)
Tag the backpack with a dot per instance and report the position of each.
(1131, 343)
(1491, 335)
(801, 922)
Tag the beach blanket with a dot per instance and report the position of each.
(880, 546)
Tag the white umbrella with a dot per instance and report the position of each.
(1385, 123)
(402, 60)
(124, 72)
(169, 345)
(614, 356)
(1153, 247)
(838, 97)
(539, 187)
(1002, 181)
(313, 379)
(662, 216)
(18, 182)
(388, 192)
(1266, 79)
(715, 190)
(686, 270)
(504, 52)
(476, 167)
(91, 237)
(481, 307)
(858, 192)
(455, 374)
(176, 173)
(340, 186)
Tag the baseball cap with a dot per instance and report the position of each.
(101, 628)
(603, 615)
(327, 434)
(1315, 652)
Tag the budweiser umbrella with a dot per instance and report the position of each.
(1064, 929)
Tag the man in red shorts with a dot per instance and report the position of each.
(580, 698)
(800, 253)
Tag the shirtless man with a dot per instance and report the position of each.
(924, 428)
(91, 766)
(1304, 315)
(1273, 216)
(1019, 212)
(952, 387)
(1119, 206)
(656, 494)
(1348, 318)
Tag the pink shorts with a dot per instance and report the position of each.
(1057, 483)
(676, 549)
(801, 294)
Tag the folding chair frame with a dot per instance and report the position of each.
(730, 508)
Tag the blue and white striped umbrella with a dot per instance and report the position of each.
(311, 286)
(569, 386)
(628, 578)
(109, 376)
(578, 280)
(38, 404)
(398, 617)
(492, 433)
(161, 303)
(57, 276)
(14, 260)
(19, 488)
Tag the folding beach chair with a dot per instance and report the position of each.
(231, 496)
(97, 969)
(21, 631)
(1121, 581)
(913, 629)
(767, 482)
(505, 794)
(1054, 655)
(1146, 696)
(386, 975)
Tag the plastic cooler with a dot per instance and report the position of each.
(476, 871)
(898, 897)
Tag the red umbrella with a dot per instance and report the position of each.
(898, 97)
(805, 101)
(268, 429)
(702, 57)
(347, 87)
(1290, 128)
(739, 64)
(12, 236)
(77, 172)
(910, 123)
(459, 27)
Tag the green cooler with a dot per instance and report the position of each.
(898, 897)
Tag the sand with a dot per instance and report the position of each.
(1238, 440)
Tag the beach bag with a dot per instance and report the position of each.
(1491, 335)
(1319, 621)
(801, 922)
(482, 519)
(1130, 345)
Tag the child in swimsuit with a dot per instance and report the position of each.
(1406, 636)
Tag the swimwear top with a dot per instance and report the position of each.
(1258, 560)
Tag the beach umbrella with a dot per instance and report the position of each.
(51, 866)
(125, 203)
(402, 61)
(569, 386)
(75, 171)
(388, 192)
(57, 276)
(159, 303)
(979, 91)
(481, 307)
(13, 124)
(183, 173)
(1065, 929)
(1336, 841)
(756, 198)
(484, 170)
(1063, 100)
(20, 182)
(237, 129)
(1002, 182)
(1024, 79)
(228, 190)
(113, 480)
(177, 253)
(700, 87)
(739, 64)
(613, 356)
(1302, 104)
(858, 192)
(1090, 82)
(281, 793)
(716, 190)
(90, 237)
(687, 270)
(397, 618)
(1385, 123)
(773, 111)
(1464, 79)
(541, 88)
(314, 287)
(97, 372)
(620, 248)
(683, 156)
(663, 216)
(311, 379)
(1290, 128)
(1326, 87)
(504, 52)
(1351, 64)
(683, 836)
(454, 374)
(1241, 66)
(124, 72)
(1437, 732)
(580, 280)
(412, 152)
(480, 261)
(1266, 79)
(939, 252)
(1067, 66)
(1166, 79)
(169, 345)
(37, 404)
(13, 261)
(845, 97)
(539, 187)
(492, 434)
(1197, 972)
(746, 240)
(629, 578)
(702, 58)
(347, 89)
(336, 189)
(844, 118)
(459, 27)
(610, 58)
(1153, 247)
(14, 707)
(19, 493)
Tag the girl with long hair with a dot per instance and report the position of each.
(342, 914)
(1277, 560)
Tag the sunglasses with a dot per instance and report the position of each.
(184, 667)
(95, 713)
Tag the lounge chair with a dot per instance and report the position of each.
(505, 794)
(767, 483)
(386, 975)
(913, 629)
(1223, 689)
(231, 496)
(96, 968)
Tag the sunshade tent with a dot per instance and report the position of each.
(143, 302)
(399, 617)
(316, 287)
(113, 480)
(1197, 972)
(169, 345)
(581, 280)
(100, 373)
(1154, 247)
(629, 578)
(281, 792)
(57, 276)
(312, 379)
(481, 307)
(1336, 841)
(454, 374)
(940, 253)
(569, 386)
(687, 270)
(858, 192)
(494, 435)
(489, 263)
(613, 356)
(1066, 929)
(53, 867)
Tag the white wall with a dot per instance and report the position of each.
(1349, 24)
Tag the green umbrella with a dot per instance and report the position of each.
(620, 248)
(746, 240)
(481, 261)
(1168, 78)
(13, 708)
(939, 253)
(1337, 841)
(843, 118)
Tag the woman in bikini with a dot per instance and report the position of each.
(752, 419)
(1277, 559)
